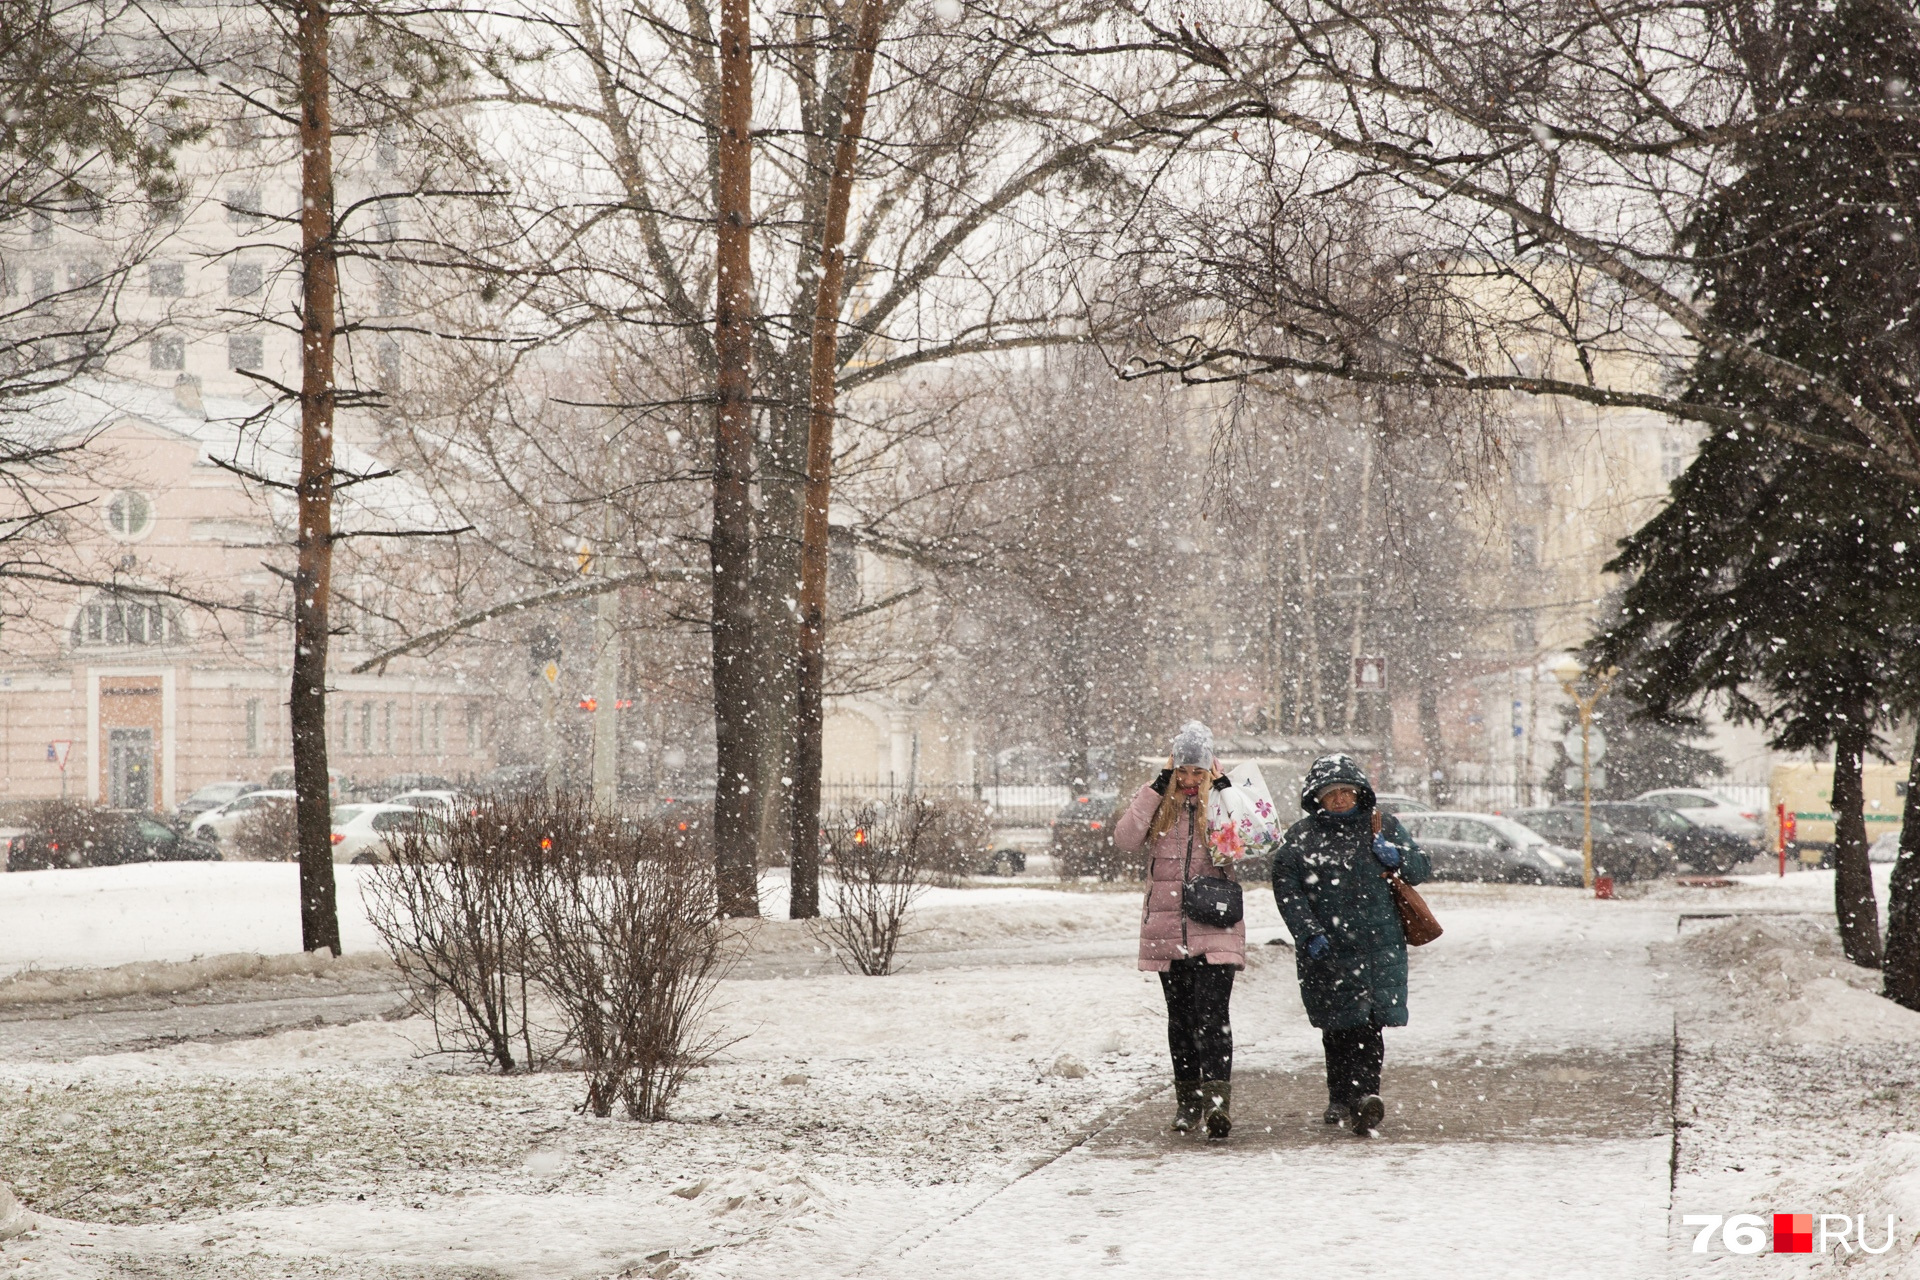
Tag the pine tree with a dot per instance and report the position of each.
(1777, 577)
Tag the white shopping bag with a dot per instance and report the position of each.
(1241, 818)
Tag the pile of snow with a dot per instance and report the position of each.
(14, 1220)
(1791, 979)
(169, 977)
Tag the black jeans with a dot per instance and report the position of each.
(1354, 1056)
(1198, 1033)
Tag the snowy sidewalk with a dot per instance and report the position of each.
(1527, 1130)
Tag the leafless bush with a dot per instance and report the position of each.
(452, 906)
(265, 833)
(630, 946)
(880, 860)
(958, 840)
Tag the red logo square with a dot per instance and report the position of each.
(1793, 1233)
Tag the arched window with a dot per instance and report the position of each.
(115, 621)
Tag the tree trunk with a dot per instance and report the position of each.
(1853, 901)
(731, 548)
(824, 367)
(313, 570)
(1902, 969)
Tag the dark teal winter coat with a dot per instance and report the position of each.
(1327, 880)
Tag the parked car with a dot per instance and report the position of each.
(212, 796)
(1396, 804)
(383, 791)
(1624, 855)
(441, 804)
(282, 780)
(1709, 809)
(1485, 846)
(219, 824)
(69, 836)
(360, 831)
(1698, 847)
(1885, 847)
(1082, 838)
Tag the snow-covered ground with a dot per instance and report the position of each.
(995, 1109)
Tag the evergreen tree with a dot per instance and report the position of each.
(1777, 578)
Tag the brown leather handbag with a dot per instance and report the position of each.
(1416, 918)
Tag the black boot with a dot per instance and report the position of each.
(1367, 1115)
(1337, 1113)
(1219, 1099)
(1191, 1106)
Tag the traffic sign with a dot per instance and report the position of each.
(1596, 745)
(57, 752)
(552, 672)
(1370, 674)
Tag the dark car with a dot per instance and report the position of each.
(1700, 848)
(1623, 855)
(1484, 846)
(1082, 841)
(75, 837)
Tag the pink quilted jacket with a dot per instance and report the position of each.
(1165, 932)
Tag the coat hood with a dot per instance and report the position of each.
(1331, 769)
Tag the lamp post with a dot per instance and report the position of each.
(1585, 687)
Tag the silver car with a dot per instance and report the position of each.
(1485, 846)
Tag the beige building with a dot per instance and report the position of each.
(175, 674)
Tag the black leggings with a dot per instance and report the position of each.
(1198, 1034)
(1354, 1055)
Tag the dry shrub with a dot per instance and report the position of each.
(630, 948)
(535, 901)
(265, 833)
(453, 908)
(880, 862)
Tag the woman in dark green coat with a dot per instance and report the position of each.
(1330, 881)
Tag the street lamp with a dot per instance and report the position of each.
(1585, 686)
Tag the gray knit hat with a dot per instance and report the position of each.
(1193, 745)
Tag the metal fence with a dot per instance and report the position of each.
(1008, 806)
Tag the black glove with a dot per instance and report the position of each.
(1164, 781)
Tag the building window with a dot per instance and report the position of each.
(243, 279)
(473, 728)
(439, 742)
(1524, 639)
(1673, 458)
(244, 351)
(244, 210)
(345, 736)
(41, 224)
(1524, 547)
(85, 276)
(42, 279)
(129, 515)
(112, 621)
(386, 731)
(250, 614)
(169, 352)
(167, 279)
(253, 726)
(420, 728)
(843, 577)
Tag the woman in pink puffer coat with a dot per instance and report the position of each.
(1196, 962)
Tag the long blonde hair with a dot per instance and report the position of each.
(1170, 805)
